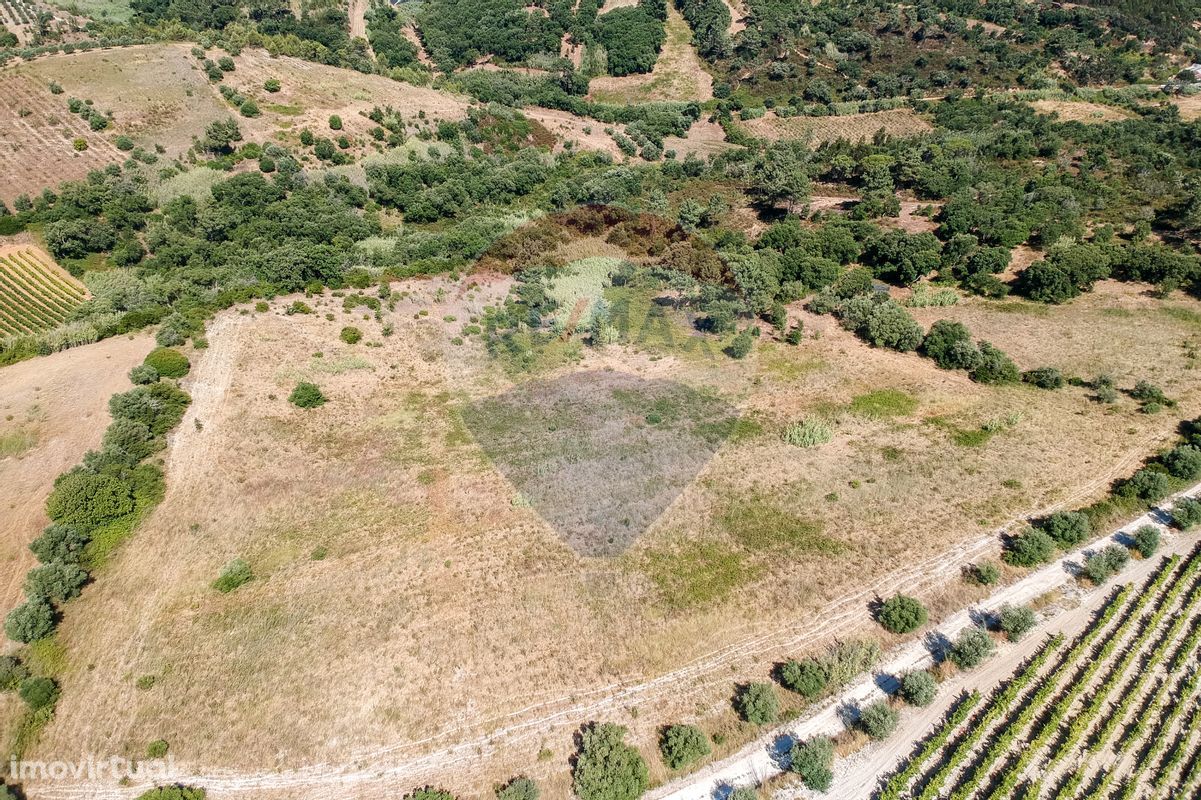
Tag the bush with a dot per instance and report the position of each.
(1067, 528)
(808, 433)
(682, 745)
(518, 789)
(157, 749)
(806, 677)
(56, 581)
(62, 543)
(32, 620)
(950, 345)
(307, 395)
(901, 614)
(272, 85)
(159, 406)
(12, 672)
(879, 720)
(1100, 566)
(1016, 621)
(249, 108)
(741, 344)
(236, 573)
(607, 768)
(743, 793)
(971, 647)
(1183, 462)
(811, 760)
(172, 793)
(1147, 485)
(1186, 513)
(757, 704)
(985, 573)
(39, 693)
(88, 500)
(994, 366)
(169, 363)
(1044, 378)
(429, 793)
(143, 374)
(918, 688)
(1146, 538)
(351, 335)
(1029, 548)
(335, 122)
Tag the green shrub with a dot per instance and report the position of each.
(971, 647)
(1044, 378)
(12, 672)
(811, 760)
(757, 703)
(994, 366)
(172, 793)
(879, 720)
(901, 614)
(808, 433)
(143, 374)
(1029, 548)
(518, 789)
(32, 620)
(63, 543)
(39, 693)
(740, 346)
(1100, 566)
(1146, 538)
(236, 573)
(743, 793)
(351, 335)
(985, 573)
(157, 749)
(272, 85)
(1183, 462)
(1067, 528)
(88, 500)
(429, 793)
(168, 362)
(806, 677)
(918, 688)
(950, 345)
(307, 395)
(1148, 485)
(56, 581)
(249, 108)
(1016, 621)
(335, 122)
(1186, 513)
(682, 745)
(160, 406)
(607, 768)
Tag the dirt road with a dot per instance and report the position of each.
(856, 777)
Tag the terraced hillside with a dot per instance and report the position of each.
(34, 294)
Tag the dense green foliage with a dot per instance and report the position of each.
(1016, 621)
(518, 789)
(607, 768)
(167, 362)
(901, 614)
(682, 745)
(757, 703)
(918, 688)
(879, 719)
(971, 647)
(307, 395)
(811, 760)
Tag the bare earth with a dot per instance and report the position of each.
(853, 127)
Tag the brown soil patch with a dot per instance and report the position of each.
(1077, 111)
(1190, 107)
(587, 133)
(738, 14)
(852, 127)
(678, 74)
(477, 635)
(52, 410)
(704, 139)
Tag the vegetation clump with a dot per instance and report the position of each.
(607, 768)
(168, 363)
(901, 614)
(757, 703)
(918, 688)
(237, 573)
(682, 745)
(307, 395)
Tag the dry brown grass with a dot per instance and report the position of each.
(853, 127)
(445, 612)
(1190, 107)
(703, 140)
(1079, 111)
(678, 73)
(587, 133)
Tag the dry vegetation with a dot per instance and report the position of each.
(853, 127)
(1080, 111)
(470, 620)
(678, 74)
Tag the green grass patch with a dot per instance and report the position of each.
(286, 110)
(103, 10)
(787, 364)
(29, 730)
(760, 526)
(698, 575)
(883, 404)
(46, 657)
(656, 327)
(106, 539)
(1030, 308)
(1181, 314)
(16, 442)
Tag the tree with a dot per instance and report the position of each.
(781, 174)
(901, 614)
(307, 395)
(1029, 548)
(682, 745)
(1067, 528)
(219, 137)
(918, 688)
(1147, 484)
(757, 703)
(1186, 513)
(806, 677)
(32, 620)
(971, 647)
(1146, 539)
(607, 768)
(39, 692)
(893, 327)
(84, 499)
(811, 760)
(1183, 462)
(168, 362)
(945, 343)
(56, 581)
(1016, 621)
(1101, 565)
(879, 720)
(740, 346)
(62, 543)
(518, 789)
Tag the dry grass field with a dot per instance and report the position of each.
(678, 74)
(853, 127)
(1079, 111)
(421, 608)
